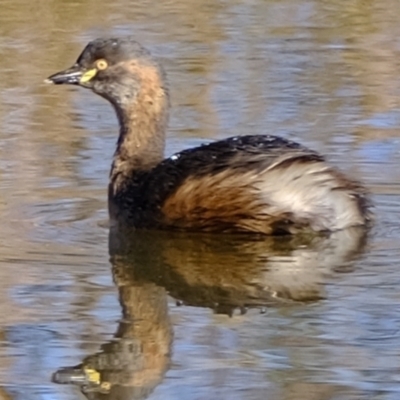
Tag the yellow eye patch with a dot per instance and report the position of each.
(91, 73)
(88, 75)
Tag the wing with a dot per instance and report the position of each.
(259, 184)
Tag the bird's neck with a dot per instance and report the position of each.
(141, 141)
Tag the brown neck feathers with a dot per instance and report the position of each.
(143, 119)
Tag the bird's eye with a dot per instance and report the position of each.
(101, 64)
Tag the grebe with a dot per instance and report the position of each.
(261, 184)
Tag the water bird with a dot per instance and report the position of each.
(260, 183)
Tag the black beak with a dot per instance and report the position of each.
(70, 76)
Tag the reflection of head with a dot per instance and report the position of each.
(133, 364)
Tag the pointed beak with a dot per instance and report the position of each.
(76, 75)
(70, 76)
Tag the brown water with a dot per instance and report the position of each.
(198, 317)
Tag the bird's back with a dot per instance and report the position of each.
(262, 184)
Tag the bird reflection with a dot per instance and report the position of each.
(224, 273)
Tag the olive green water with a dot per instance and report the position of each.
(192, 317)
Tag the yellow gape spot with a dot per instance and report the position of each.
(92, 375)
(88, 75)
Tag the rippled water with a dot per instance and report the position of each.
(197, 317)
